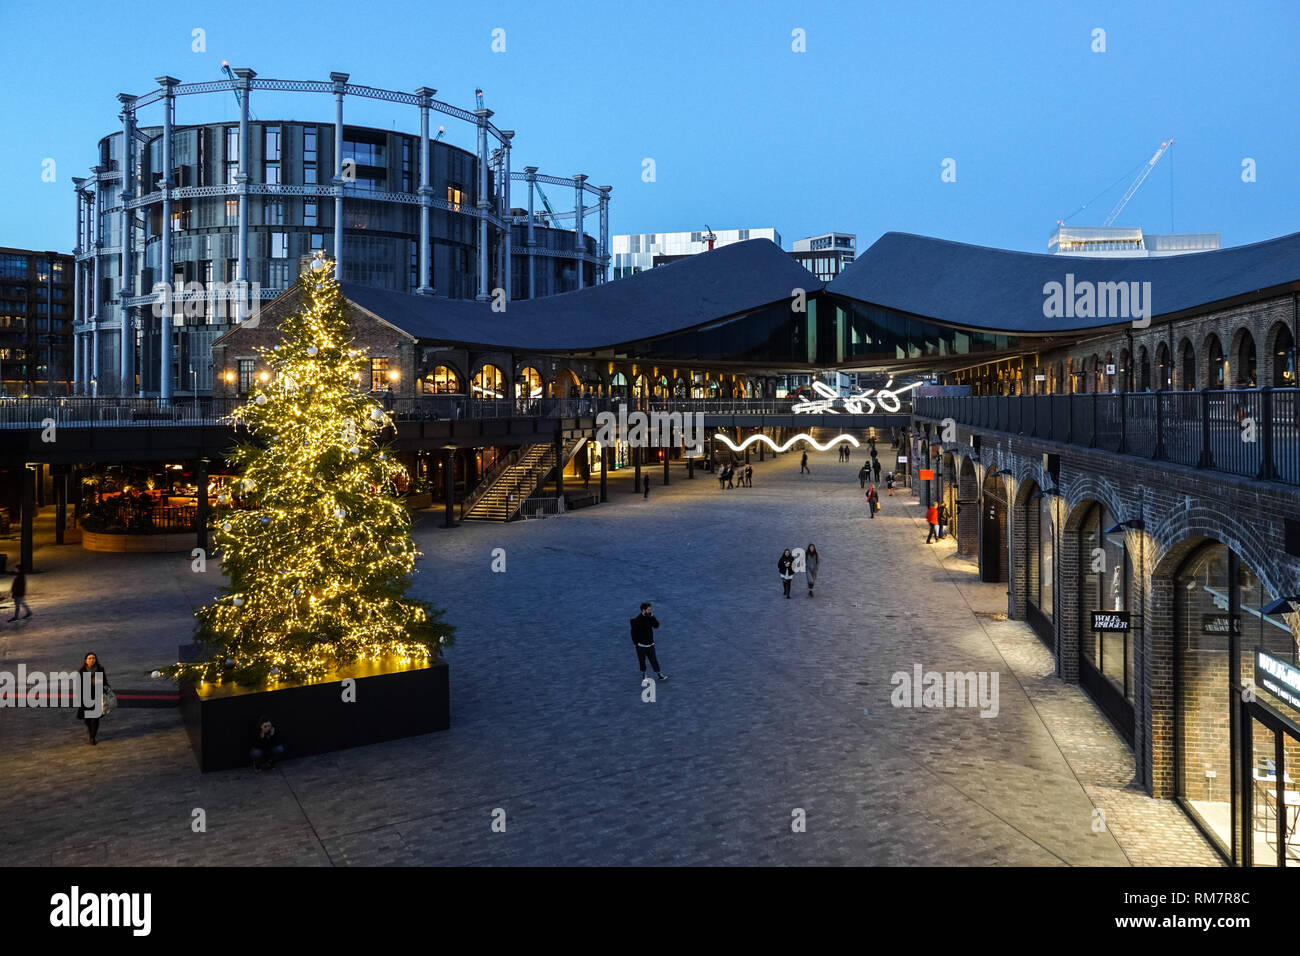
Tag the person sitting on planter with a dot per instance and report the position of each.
(266, 747)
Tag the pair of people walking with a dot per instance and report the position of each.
(844, 453)
(785, 567)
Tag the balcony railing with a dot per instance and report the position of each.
(1254, 433)
(81, 411)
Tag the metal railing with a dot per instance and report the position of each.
(541, 508)
(83, 411)
(1254, 433)
(80, 411)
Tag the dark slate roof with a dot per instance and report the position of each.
(694, 291)
(983, 288)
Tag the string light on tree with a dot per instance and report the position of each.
(308, 594)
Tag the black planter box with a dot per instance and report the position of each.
(392, 701)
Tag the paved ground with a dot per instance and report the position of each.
(773, 706)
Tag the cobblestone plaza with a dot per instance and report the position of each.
(773, 706)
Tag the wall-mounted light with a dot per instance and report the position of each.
(1133, 524)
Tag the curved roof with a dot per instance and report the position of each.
(998, 289)
(694, 291)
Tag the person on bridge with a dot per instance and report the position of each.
(803, 466)
(749, 476)
(643, 637)
(889, 484)
(864, 475)
(812, 561)
(875, 467)
(942, 514)
(932, 518)
(722, 478)
(785, 568)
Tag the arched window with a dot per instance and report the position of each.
(442, 381)
(618, 385)
(1214, 362)
(1164, 371)
(488, 382)
(1144, 369)
(1243, 367)
(528, 383)
(1104, 575)
(1283, 357)
(565, 384)
(1188, 364)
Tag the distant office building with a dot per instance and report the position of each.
(36, 297)
(1126, 242)
(645, 251)
(825, 256)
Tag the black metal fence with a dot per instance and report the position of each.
(83, 412)
(1254, 433)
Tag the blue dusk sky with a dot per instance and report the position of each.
(744, 131)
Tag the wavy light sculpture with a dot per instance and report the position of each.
(796, 439)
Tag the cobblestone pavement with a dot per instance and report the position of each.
(774, 706)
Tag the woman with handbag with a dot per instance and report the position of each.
(785, 568)
(92, 666)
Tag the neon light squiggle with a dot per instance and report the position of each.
(775, 447)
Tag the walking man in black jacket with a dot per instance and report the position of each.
(643, 636)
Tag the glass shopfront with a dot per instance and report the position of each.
(1106, 629)
(1040, 548)
(1236, 736)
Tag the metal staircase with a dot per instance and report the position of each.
(500, 496)
(501, 499)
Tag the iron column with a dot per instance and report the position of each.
(126, 351)
(507, 271)
(530, 175)
(604, 234)
(425, 95)
(579, 244)
(340, 81)
(165, 322)
(482, 204)
(241, 188)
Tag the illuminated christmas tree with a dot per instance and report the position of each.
(320, 554)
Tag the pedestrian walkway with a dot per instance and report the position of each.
(778, 710)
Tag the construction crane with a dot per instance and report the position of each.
(1141, 177)
(230, 75)
(709, 236)
(552, 217)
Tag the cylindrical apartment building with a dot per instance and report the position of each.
(212, 219)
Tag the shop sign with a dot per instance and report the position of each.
(1110, 369)
(927, 474)
(1110, 621)
(1278, 678)
(902, 459)
(1217, 624)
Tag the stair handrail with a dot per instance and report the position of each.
(490, 477)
